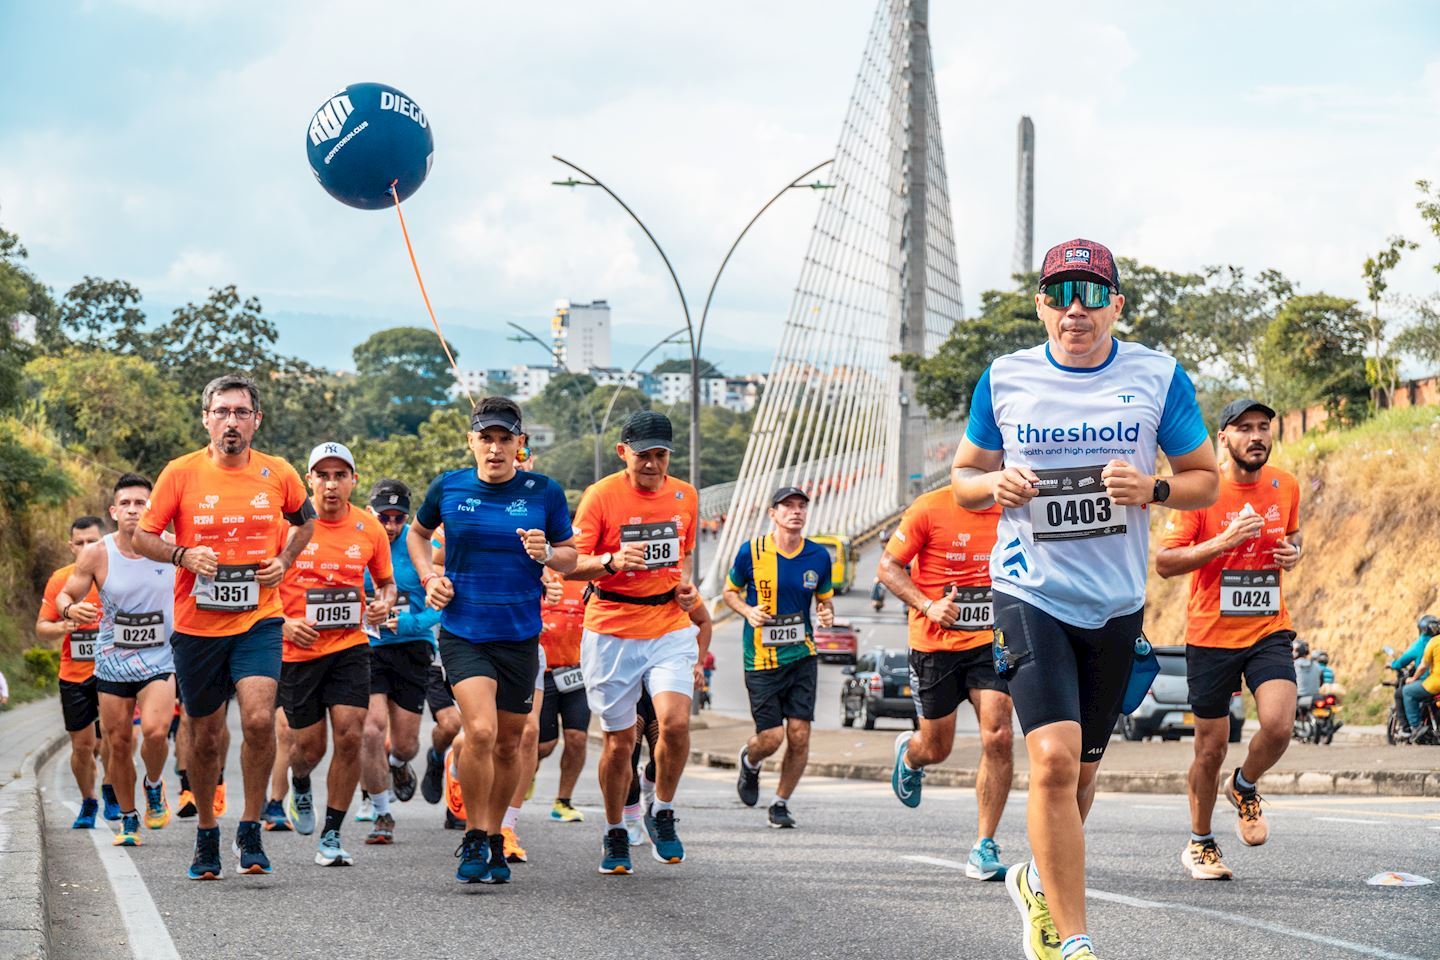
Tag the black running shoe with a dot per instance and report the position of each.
(432, 785)
(780, 816)
(206, 865)
(453, 822)
(748, 784)
(499, 866)
(402, 781)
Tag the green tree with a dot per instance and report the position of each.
(1421, 339)
(1429, 207)
(682, 365)
(118, 409)
(1381, 369)
(1156, 312)
(28, 478)
(402, 377)
(20, 294)
(440, 444)
(565, 404)
(105, 314)
(1314, 352)
(222, 335)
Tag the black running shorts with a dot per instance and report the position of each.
(786, 692)
(79, 704)
(308, 688)
(570, 710)
(401, 671)
(511, 664)
(943, 679)
(1215, 673)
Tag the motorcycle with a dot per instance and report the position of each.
(877, 596)
(1304, 728)
(1396, 726)
(1325, 717)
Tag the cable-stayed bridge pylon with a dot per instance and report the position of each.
(838, 417)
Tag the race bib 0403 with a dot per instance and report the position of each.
(334, 608)
(1249, 593)
(83, 644)
(977, 612)
(786, 631)
(1073, 504)
(233, 589)
(661, 541)
(139, 631)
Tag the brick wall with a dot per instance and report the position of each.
(1411, 393)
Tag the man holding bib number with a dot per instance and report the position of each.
(634, 531)
(1238, 626)
(241, 518)
(1064, 437)
(327, 652)
(947, 589)
(771, 584)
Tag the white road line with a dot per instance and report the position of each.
(148, 936)
(1284, 931)
(1345, 820)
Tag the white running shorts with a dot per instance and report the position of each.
(614, 668)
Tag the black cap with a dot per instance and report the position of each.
(495, 418)
(647, 430)
(1235, 408)
(784, 492)
(390, 496)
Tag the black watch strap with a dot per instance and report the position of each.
(1161, 492)
(608, 564)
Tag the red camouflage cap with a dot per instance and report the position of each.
(1080, 256)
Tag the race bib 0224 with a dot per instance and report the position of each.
(139, 631)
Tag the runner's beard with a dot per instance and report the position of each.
(1248, 460)
(231, 444)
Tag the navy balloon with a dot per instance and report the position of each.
(366, 137)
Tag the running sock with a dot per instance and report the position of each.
(333, 819)
(782, 801)
(184, 780)
(905, 759)
(512, 814)
(1241, 782)
(564, 800)
(1033, 876)
(381, 801)
(633, 811)
(127, 813)
(659, 805)
(1197, 838)
(396, 761)
(151, 783)
(1073, 945)
(614, 826)
(752, 767)
(300, 784)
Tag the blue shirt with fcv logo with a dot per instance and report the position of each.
(497, 584)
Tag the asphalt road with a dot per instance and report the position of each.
(863, 877)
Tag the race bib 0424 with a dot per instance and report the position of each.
(1249, 593)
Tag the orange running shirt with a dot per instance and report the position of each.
(666, 520)
(1236, 599)
(946, 545)
(328, 580)
(71, 670)
(563, 624)
(237, 513)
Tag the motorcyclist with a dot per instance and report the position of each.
(1425, 685)
(1327, 675)
(877, 594)
(1429, 627)
(1307, 676)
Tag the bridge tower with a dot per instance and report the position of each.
(1024, 260)
(839, 417)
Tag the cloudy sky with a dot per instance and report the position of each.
(161, 141)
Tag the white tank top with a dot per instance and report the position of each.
(138, 616)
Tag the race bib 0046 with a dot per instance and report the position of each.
(661, 541)
(977, 612)
(1249, 593)
(1073, 504)
(139, 631)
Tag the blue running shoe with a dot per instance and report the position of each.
(615, 853)
(665, 844)
(331, 854)
(903, 780)
(474, 854)
(129, 835)
(86, 818)
(984, 862)
(206, 865)
(247, 848)
(499, 864)
(112, 802)
(301, 808)
(273, 817)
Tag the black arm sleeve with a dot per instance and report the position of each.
(304, 515)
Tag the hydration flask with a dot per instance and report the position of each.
(1143, 671)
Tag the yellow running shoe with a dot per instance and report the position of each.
(1041, 941)
(1202, 859)
(1250, 827)
(566, 813)
(129, 832)
(530, 790)
(157, 808)
(220, 800)
(514, 853)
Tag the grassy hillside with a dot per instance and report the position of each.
(1370, 501)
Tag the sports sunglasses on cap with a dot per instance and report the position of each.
(1062, 293)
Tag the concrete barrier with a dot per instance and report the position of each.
(24, 917)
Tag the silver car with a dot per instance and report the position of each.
(1165, 711)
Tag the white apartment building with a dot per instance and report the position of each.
(580, 333)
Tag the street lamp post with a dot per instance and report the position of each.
(696, 333)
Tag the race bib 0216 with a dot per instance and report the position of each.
(786, 631)
(1249, 593)
(1073, 504)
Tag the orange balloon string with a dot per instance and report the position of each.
(429, 309)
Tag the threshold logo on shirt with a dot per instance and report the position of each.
(1027, 433)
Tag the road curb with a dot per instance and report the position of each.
(24, 914)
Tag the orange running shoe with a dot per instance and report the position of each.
(514, 853)
(220, 799)
(186, 809)
(454, 799)
(1251, 827)
(1202, 859)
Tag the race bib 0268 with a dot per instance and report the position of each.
(661, 541)
(1249, 593)
(1073, 504)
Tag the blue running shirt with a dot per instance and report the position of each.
(1070, 551)
(497, 584)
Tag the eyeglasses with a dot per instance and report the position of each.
(390, 517)
(1092, 294)
(239, 413)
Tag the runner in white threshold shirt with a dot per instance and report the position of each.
(1064, 436)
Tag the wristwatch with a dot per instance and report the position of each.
(1161, 492)
(606, 561)
(549, 552)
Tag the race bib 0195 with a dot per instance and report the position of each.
(786, 631)
(139, 631)
(661, 541)
(334, 608)
(233, 589)
(1073, 504)
(977, 611)
(1249, 593)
